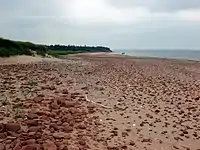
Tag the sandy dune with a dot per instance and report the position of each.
(100, 101)
(24, 60)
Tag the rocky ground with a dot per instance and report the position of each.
(100, 102)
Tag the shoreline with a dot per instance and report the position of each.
(164, 54)
(31, 59)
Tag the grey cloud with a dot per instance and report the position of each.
(24, 8)
(158, 5)
(152, 35)
(42, 22)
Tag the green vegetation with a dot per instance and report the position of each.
(11, 48)
(57, 53)
(73, 48)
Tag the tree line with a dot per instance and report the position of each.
(79, 48)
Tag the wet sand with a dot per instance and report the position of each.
(100, 101)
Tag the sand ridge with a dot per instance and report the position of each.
(23, 59)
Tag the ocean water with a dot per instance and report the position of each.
(173, 54)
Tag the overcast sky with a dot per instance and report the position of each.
(143, 24)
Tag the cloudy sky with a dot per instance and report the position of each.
(143, 24)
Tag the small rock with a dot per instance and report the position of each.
(68, 129)
(34, 129)
(49, 145)
(147, 140)
(69, 104)
(54, 126)
(31, 147)
(132, 143)
(32, 116)
(14, 127)
(124, 134)
(185, 132)
(2, 135)
(2, 146)
(8, 141)
(17, 146)
(157, 111)
(59, 135)
(128, 130)
(54, 106)
(11, 137)
(124, 147)
(112, 148)
(18, 105)
(65, 148)
(29, 142)
(81, 126)
(65, 91)
(115, 133)
(68, 136)
(97, 122)
(85, 88)
(32, 122)
(187, 148)
(31, 133)
(41, 95)
(38, 99)
(52, 87)
(82, 142)
(2, 127)
(175, 147)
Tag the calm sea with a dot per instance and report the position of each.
(174, 54)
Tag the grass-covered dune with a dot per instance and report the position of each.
(11, 48)
(57, 53)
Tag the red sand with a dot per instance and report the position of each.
(100, 101)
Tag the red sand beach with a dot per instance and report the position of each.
(100, 102)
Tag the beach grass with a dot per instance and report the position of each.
(57, 53)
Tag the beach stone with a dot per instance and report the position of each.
(112, 148)
(2, 135)
(34, 129)
(132, 143)
(32, 122)
(31, 147)
(38, 99)
(2, 146)
(65, 148)
(32, 116)
(28, 142)
(49, 145)
(41, 95)
(54, 106)
(8, 141)
(59, 135)
(54, 126)
(52, 87)
(14, 127)
(65, 91)
(2, 127)
(17, 146)
(82, 126)
(69, 104)
(124, 134)
(18, 105)
(68, 129)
